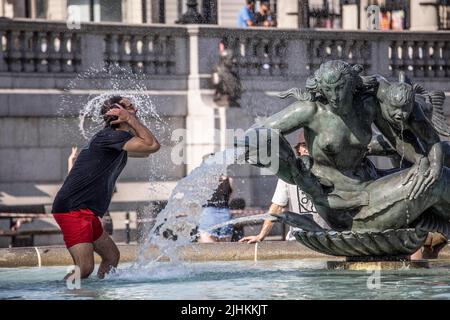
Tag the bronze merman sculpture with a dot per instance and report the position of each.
(370, 212)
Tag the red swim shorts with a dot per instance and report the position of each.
(80, 226)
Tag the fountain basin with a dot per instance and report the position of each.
(385, 244)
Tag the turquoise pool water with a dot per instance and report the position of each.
(244, 280)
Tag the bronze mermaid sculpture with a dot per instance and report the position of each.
(337, 110)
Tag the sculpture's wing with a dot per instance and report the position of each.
(438, 117)
(418, 88)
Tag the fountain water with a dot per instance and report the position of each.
(175, 225)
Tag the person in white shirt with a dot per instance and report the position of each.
(288, 194)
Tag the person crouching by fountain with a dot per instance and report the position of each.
(87, 190)
(288, 194)
(217, 211)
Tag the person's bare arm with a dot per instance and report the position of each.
(144, 142)
(267, 226)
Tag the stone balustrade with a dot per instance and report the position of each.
(50, 47)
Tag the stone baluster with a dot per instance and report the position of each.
(3, 51)
(429, 60)
(409, 57)
(339, 48)
(244, 47)
(158, 59)
(277, 56)
(446, 57)
(270, 61)
(67, 64)
(333, 49)
(317, 48)
(27, 47)
(164, 57)
(54, 52)
(396, 60)
(135, 57)
(76, 51)
(149, 56)
(351, 50)
(419, 62)
(234, 45)
(125, 52)
(14, 53)
(171, 49)
(405, 57)
(439, 58)
(255, 54)
(42, 52)
(113, 48)
(367, 54)
(359, 52)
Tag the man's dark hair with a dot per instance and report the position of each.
(250, 2)
(107, 105)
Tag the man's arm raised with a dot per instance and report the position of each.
(144, 142)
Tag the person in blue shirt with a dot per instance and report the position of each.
(246, 17)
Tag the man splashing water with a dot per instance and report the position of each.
(86, 193)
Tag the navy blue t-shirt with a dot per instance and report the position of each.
(90, 183)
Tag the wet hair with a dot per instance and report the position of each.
(107, 105)
(328, 73)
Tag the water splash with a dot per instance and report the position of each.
(176, 224)
(253, 218)
(92, 87)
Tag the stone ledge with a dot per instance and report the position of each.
(58, 255)
(269, 250)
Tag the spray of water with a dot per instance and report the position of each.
(104, 84)
(176, 225)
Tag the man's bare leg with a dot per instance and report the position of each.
(83, 257)
(108, 251)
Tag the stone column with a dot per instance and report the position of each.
(350, 17)
(57, 10)
(8, 9)
(201, 115)
(132, 11)
(287, 14)
(18, 8)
